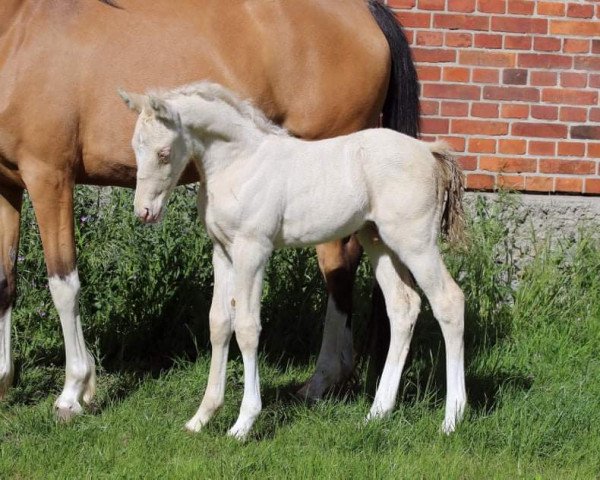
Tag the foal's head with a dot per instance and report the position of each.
(161, 153)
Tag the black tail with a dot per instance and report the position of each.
(401, 110)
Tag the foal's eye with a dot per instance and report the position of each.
(163, 155)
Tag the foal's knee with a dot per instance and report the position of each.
(404, 306)
(220, 329)
(247, 333)
(449, 306)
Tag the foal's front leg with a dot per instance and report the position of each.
(221, 328)
(249, 260)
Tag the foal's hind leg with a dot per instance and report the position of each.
(403, 305)
(338, 262)
(421, 255)
(221, 328)
(10, 214)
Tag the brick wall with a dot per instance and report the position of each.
(512, 85)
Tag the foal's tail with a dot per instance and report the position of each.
(452, 182)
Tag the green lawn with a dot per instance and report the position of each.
(533, 379)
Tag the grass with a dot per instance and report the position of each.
(533, 379)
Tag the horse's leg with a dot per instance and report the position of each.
(221, 328)
(338, 262)
(249, 261)
(403, 305)
(10, 215)
(447, 303)
(51, 193)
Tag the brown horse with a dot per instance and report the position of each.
(318, 67)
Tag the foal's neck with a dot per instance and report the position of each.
(219, 134)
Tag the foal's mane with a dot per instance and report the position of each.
(213, 92)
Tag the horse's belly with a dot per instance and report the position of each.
(320, 224)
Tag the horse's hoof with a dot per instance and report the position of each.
(66, 412)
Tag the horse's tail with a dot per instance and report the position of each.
(401, 110)
(452, 184)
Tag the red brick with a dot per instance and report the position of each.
(432, 39)
(468, 163)
(575, 45)
(467, 6)
(514, 76)
(580, 11)
(592, 185)
(512, 147)
(593, 150)
(433, 55)
(435, 125)
(508, 165)
(410, 36)
(515, 182)
(485, 75)
(572, 27)
(456, 74)
(587, 62)
(491, 6)
(482, 145)
(544, 60)
(595, 81)
(571, 79)
(483, 127)
(477, 181)
(429, 107)
(486, 40)
(596, 46)
(486, 59)
(549, 130)
(555, 9)
(429, 72)
(569, 96)
(594, 115)
(461, 92)
(414, 19)
(567, 167)
(401, 3)
(519, 25)
(455, 109)
(515, 111)
(544, 112)
(457, 143)
(485, 110)
(585, 132)
(518, 94)
(521, 7)
(569, 184)
(546, 44)
(571, 149)
(542, 148)
(539, 184)
(518, 42)
(458, 39)
(543, 79)
(432, 4)
(461, 22)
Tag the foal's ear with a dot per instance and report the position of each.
(164, 112)
(134, 101)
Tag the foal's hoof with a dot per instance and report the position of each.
(193, 426)
(312, 391)
(448, 426)
(65, 412)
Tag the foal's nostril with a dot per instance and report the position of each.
(146, 214)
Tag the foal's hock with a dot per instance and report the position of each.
(263, 189)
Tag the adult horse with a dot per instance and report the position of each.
(319, 68)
